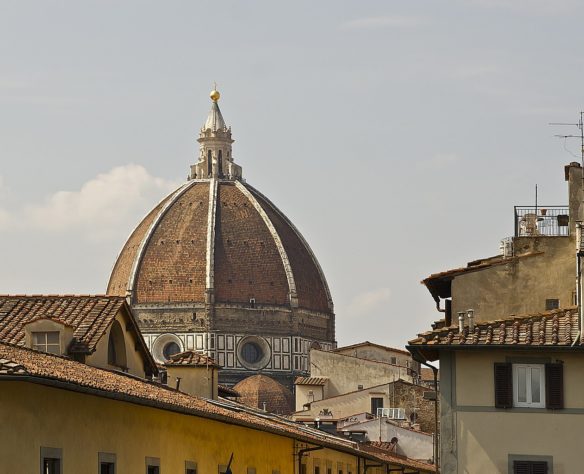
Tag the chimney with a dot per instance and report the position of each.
(461, 315)
(471, 321)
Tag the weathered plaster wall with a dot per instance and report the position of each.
(346, 373)
(523, 284)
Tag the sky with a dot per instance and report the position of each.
(396, 135)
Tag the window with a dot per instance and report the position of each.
(51, 461)
(552, 303)
(107, 463)
(251, 352)
(46, 342)
(530, 467)
(152, 465)
(529, 385)
(116, 349)
(190, 467)
(170, 349)
(376, 403)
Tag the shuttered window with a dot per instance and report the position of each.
(554, 376)
(503, 385)
(529, 385)
(530, 467)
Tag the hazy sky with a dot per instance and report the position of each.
(397, 136)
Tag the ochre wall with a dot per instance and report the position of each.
(134, 358)
(197, 381)
(83, 425)
(518, 287)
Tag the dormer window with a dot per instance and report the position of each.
(116, 349)
(46, 341)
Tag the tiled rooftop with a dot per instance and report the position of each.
(311, 380)
(553, 328)
(90, 316)
(191, 358)
(37, 367)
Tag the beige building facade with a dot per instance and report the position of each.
(510, 348)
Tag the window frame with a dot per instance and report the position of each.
(51, 453)
(529, 403)
(106, 458)
(190, 466)
(530, 458)
(505, 384)
(44, 346)
(152, 462)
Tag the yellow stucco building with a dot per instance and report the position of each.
(61, 416)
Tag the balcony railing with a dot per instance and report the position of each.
(392, 413)
(550, 221)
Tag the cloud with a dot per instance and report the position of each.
(439, 161)
(368, 301)
(98, 210)
(539, 7)
(384, 22)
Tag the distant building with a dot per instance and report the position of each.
(217, 267)
(355, 384)
(510, 348)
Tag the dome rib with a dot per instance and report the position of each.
(279, 245)
(281, 215)
(210, 249)
(140, 253)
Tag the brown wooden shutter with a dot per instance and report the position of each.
(530, 467)
(521, 467)
(554, 386)
(503, 385)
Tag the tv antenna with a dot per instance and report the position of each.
(580, 126)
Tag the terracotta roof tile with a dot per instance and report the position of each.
(311, 380)
(553, 328)
(90, 316)
(191, 358)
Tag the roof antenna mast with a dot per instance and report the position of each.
(579, 253)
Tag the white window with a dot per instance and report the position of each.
(46, 342)
(529, 385)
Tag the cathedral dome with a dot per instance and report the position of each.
(217, 267)
(219, 241)
(257, 390)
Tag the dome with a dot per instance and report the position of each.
(216, 267)
(223, 236)
(259, 389)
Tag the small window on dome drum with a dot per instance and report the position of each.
(251, 352)
(170, 349)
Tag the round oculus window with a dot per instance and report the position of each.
(170, 349)
(254, 352)
(251, 352)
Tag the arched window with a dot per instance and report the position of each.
(116, 349)
(209, 163)
(220, 163)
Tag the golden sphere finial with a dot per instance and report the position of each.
(214, 95)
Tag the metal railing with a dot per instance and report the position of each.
(551, 221)
(392, 413)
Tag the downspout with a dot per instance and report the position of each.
(579, 253)
(418, 357)
(302, 452)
